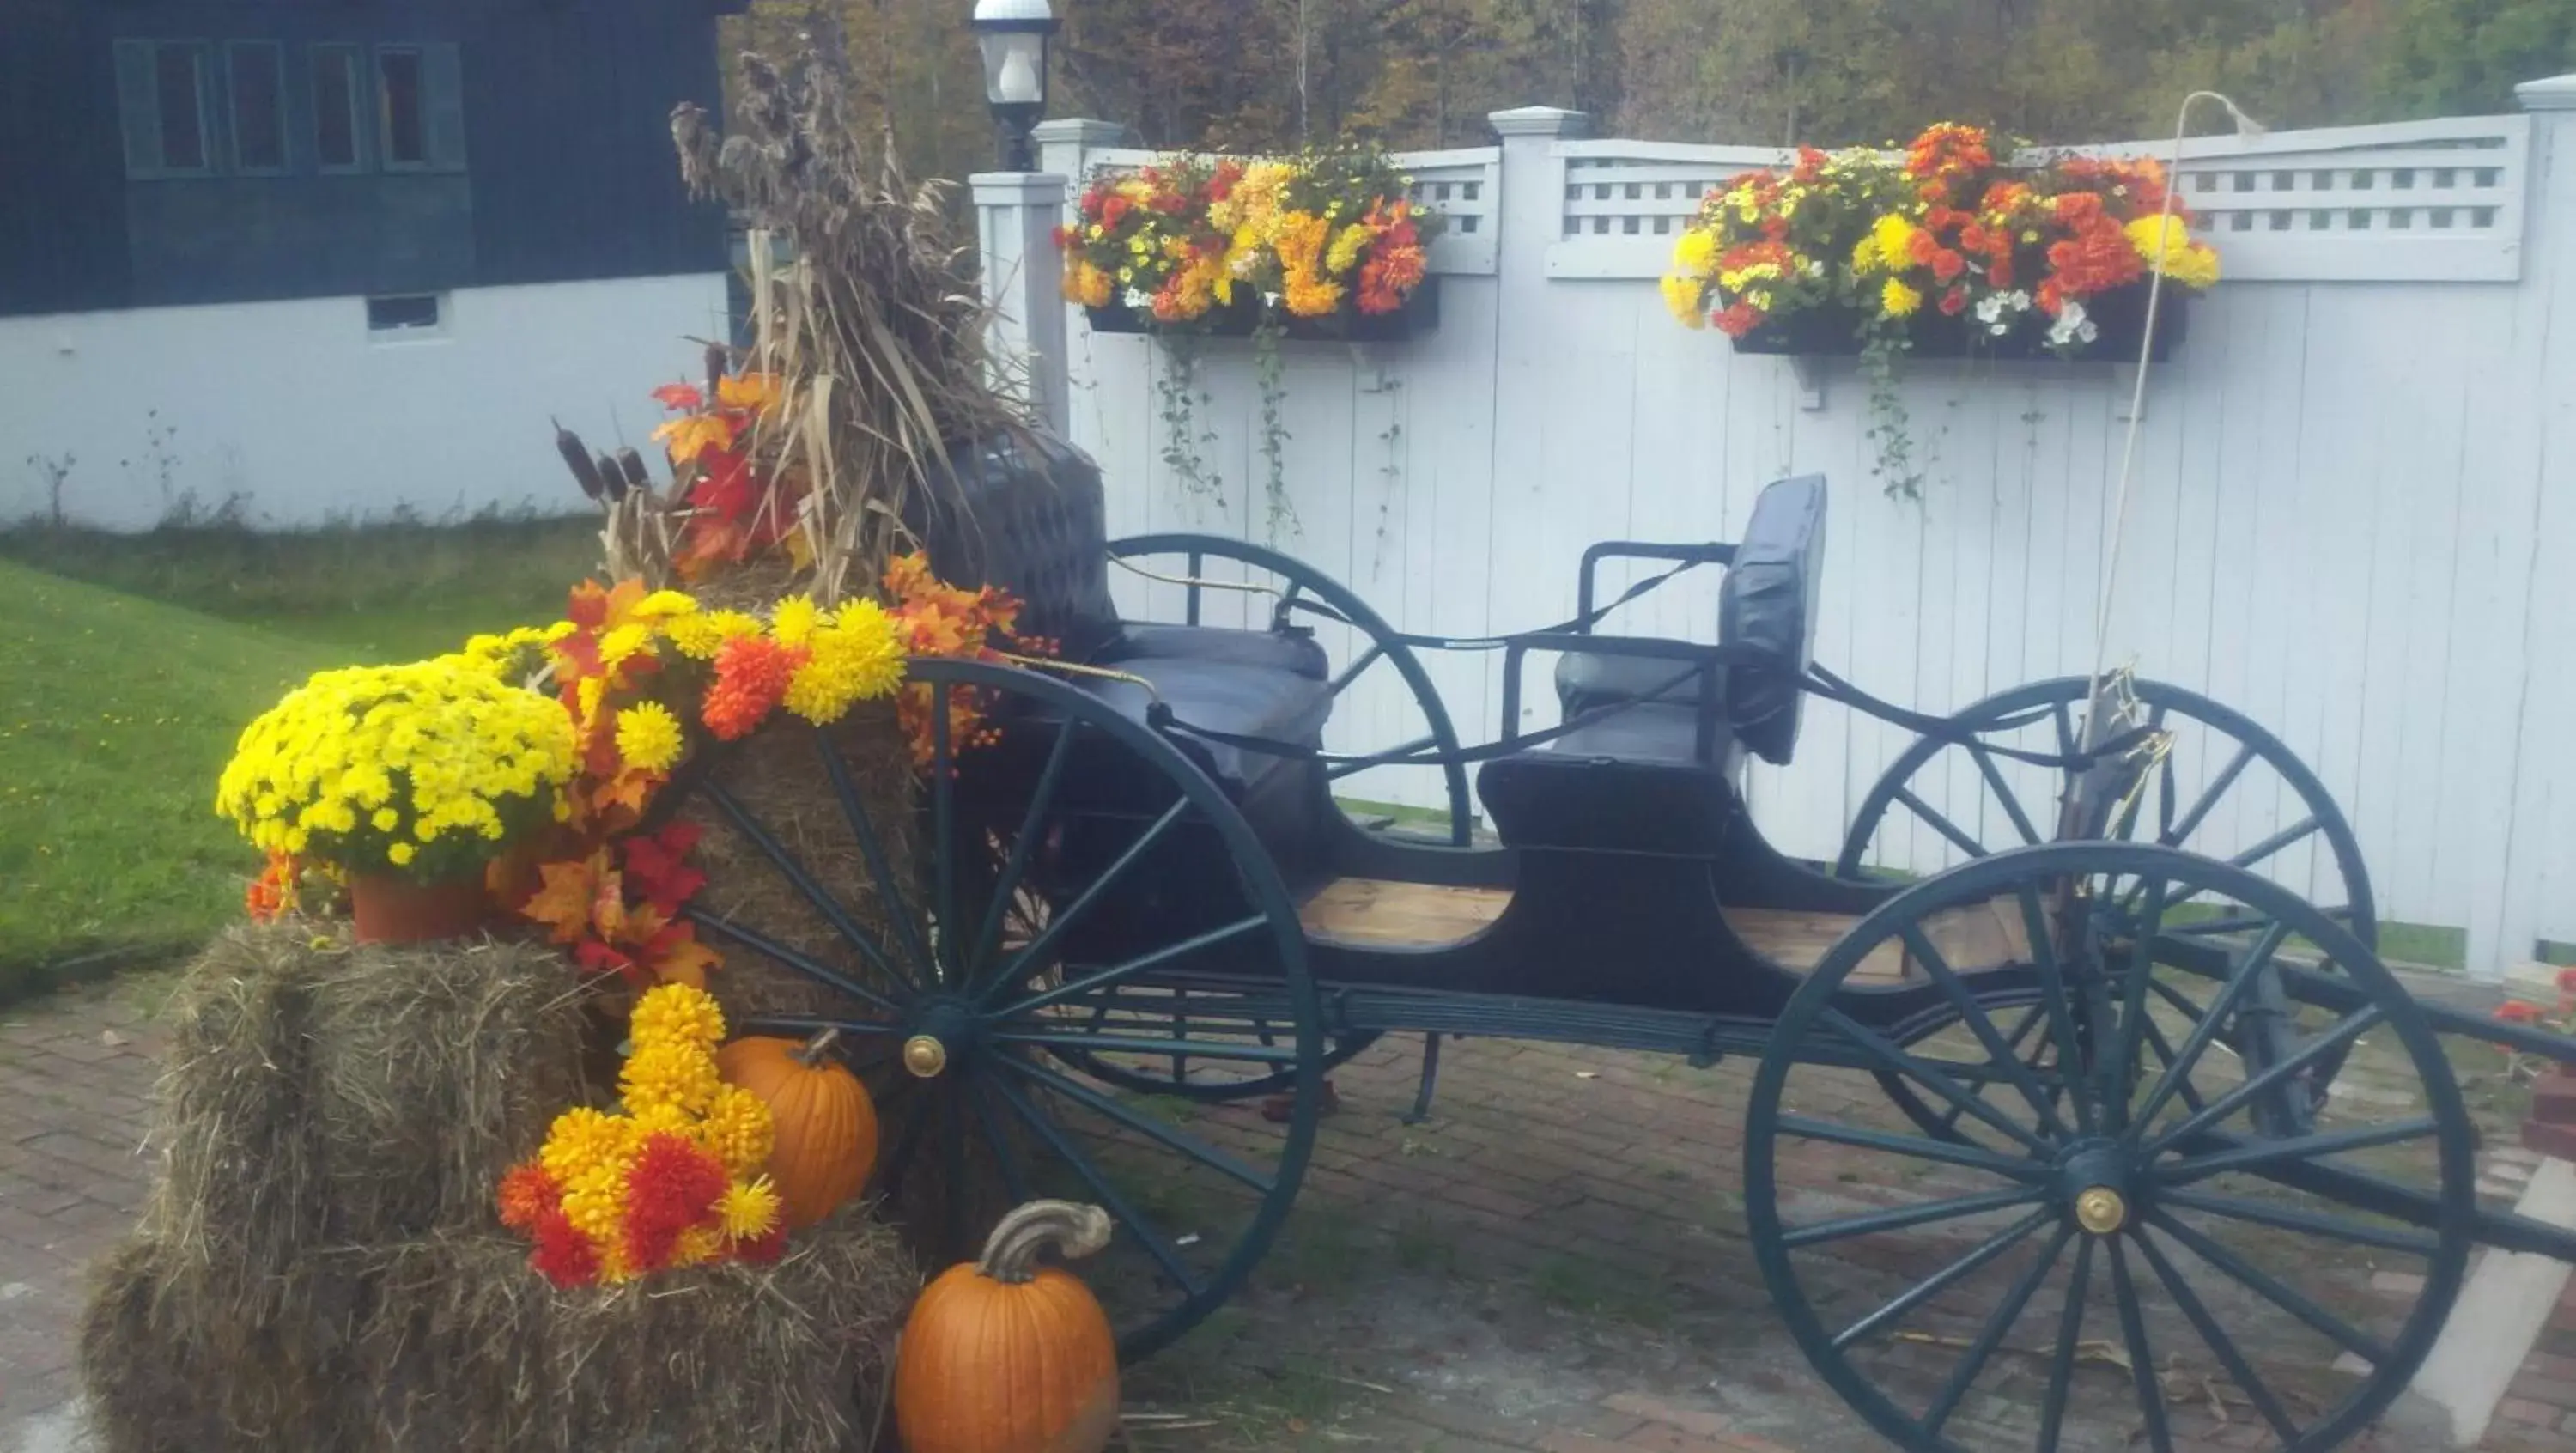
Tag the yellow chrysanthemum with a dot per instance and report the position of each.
(2192, 264)
(664, 604)
(1695, 253)
(1681, 294)
(738, 1129)
(676, 1014)
(582, 1139)
(795, 620)
(856, 658)
(400, 854)
(1344, 254)
(748, 1209)
(700, 636)
(1894, 237)
(665, 1073)
(649, 737)
(697, 1246)
(1898, 300)
(595, 1201)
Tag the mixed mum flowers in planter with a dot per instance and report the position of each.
(2011, 244)
(1195, 239)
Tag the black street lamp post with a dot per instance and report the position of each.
(1013, 35)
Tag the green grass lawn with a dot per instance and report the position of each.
(121, 694)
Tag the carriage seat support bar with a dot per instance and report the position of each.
(1712, 553)
(1702, 661)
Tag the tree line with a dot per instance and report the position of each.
(1272, 74)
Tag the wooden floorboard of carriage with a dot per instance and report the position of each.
(1389, 914)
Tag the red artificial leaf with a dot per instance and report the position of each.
(680, 396)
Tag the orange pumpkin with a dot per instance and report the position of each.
(1002, 1355)
(827, 1129)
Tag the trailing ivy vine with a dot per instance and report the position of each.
(1274, 427)
(1884, 342)
(1177, 386)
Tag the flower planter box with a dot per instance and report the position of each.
(1420, 314)
(2120, 315)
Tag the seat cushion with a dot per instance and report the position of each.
(1768, 600)
(1629, 782)
(1585, 680)
(1292, 651)
(1229, 697)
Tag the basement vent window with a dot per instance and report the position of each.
(404, 313)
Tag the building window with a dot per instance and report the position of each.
(412, 313)
(335, 108)
(161, 95)
(257, 70)
(402, 97)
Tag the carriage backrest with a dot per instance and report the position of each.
(1768, 600)
(1028, 516)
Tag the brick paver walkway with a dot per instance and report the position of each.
(1554, 1264)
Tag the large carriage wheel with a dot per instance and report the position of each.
(969, 1017)
(1958, 795)
(2146, 1234)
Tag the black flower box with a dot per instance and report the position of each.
(2118, 316)
(1419, 315)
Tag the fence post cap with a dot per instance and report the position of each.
(1081, 130)
(2556, 93)
(998, 189)
(1539, 121)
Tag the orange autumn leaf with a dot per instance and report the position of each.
(629, 789)
(687, 962)
(691, 435)
(564, 901)
(755, 391)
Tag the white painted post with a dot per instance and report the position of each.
(2505, 919)
(1065, 145)
(1016, 216)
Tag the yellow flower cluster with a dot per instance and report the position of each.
(701, 634)
(374, 764)
(2190, 262)
(854, 654)
(669, 1085)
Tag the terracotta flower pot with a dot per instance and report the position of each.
(390, 909)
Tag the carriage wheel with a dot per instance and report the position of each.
(971, 1016)
(1294, 593)
(1962, 800)
(2142, 1228)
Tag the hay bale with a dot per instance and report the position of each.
(319, 1266)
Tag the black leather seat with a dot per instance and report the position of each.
(1635, 780)
(1767, 599)
(1294, 651)
(1235, 698)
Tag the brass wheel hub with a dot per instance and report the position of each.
(925, 1056)
(2101, 1210)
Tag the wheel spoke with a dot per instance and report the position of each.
(1351, 672)
(1905, 1216)
(863, 827)
(1927, 1075)
(821, 897)
(1939, 823)
(1014, 1180)
(1155, 1243)
(2352, 1338)
(1222, 1049)
(802, 963)
(899, 1160)
(1145, 1125)
(988, 938)
(2304, 828)
(2219, 1343)
(2165, 1051)
(2012, 804)
(2347, 1029)
(1035, 951)
(2052, 991)
(2142, 1362)
(810, 1024)
(1076, 988)
(947, 952)
(2287, 1218)
(2001, 1051)
(2303, 1147)
(1998, 1327)
(1975, 1157)
(2257, 960)
(2173, 836)
(2061, 1364)
(1940, 1281)
(2065, 720)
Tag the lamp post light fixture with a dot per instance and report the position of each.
(1012, 34)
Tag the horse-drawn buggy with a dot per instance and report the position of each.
(2112, 1099)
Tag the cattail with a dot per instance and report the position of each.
(578, 460)
(631, 464)
(611, 478)
(716, 358)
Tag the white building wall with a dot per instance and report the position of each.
(296, 408)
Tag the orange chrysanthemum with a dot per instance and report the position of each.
(752, 673)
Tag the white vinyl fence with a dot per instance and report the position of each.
(2353, 508)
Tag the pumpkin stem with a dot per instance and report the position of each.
(1011, 1252)
(812, 1053)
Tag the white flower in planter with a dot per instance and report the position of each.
(1139, 298)
(2072, 326)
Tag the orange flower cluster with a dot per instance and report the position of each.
(752, 675)
(939, 619)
